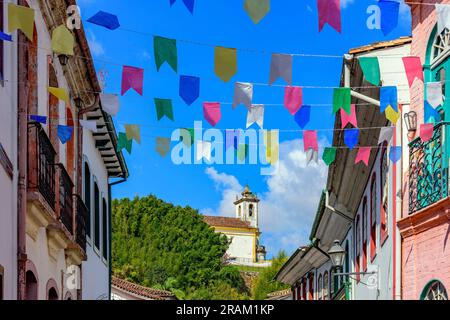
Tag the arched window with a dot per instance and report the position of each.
(105, 230)
(31, 286)
(87, 197)
(52, 291)
(53, 106)
(434, 290)
(250, 210)
(303, 289)
(2, 270)
(357, 245)
(441, 47)
(96, 216)
(239, 211)
(311, 287)
(319, 287)
(70, 147)
(326, 285)
(373, 217)
(384, 208)
(364, 234)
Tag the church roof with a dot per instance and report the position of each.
(217, 221)
(142, 291)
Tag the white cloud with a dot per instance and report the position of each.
(95, 46)
(345, 3)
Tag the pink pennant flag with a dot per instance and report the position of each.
(345, 118)
(293, 99)
(413, 68)
(426, 131)
(132, 78)
(310, 140)
(211, 112)
(329, 12)
(363, 155)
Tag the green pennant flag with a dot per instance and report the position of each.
(123, 142)
(242, 152)
(329, 155)
(164, 108)
(371, 69)
(190, 132)
(342, 99)
(165, 51)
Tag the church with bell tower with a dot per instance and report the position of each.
(242, 230)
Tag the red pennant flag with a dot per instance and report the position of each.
(426, 131)
(132, 78)
(363, 155)
(310, 140)
(329, 12)
(293, 99)
(345, 118)
(413, 68)
(211, 112)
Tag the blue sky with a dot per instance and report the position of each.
(289, 199)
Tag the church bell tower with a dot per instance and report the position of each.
(247, 207)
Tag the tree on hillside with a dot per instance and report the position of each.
(157, 244)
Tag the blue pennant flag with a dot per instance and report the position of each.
(5, 37)
(395, 154)
(64, 133)
(302, 116)
(351, 137)
(189, 89)
(40, 119)
(389, 15)
(430, 114)
(388, 97)
(105, 19)
(188, 3)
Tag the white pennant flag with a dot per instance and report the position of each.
(281, 67)
(255, 114)
(386, 134)
(203, 150)
(434, 94)
(110, 103)
(443, 17)
(243, 93)
(312, 155)
(89, 125)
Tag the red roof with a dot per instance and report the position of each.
(217, 221)
(142, 291)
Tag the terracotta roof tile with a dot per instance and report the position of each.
(217, 221)
(142, 291)
(381, 45)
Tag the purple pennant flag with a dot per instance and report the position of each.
(302, 116)
(64, 133)
(40, 119)
(232, 139)
(105, 19)
(188, 3)
(189, 89)
(351, 137)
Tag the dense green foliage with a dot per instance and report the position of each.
(265, 283)
(159, 245)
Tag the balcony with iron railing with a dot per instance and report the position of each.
(66, 209)
(81, 217)
(428, 169)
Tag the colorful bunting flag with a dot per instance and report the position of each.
(389, 15)
(105, 19)
(342, 100)
(184, 133)
(110, 103)
(363, 155)
(371, 69)
(242, 152)
(164, 108)
(37, 118)
(302, 116)
(310, 140)
(162, 146)
(189, 4)
(426, 131)
(443, 17)
(255, 115)
(189, 89)
(413, 69)
(257, 9)
(89, 125)
(203, 150)
(62, 41)
(434, 94)
(133, 132)
(431, 114)
(123, 142)
(351, 137)
(346, 119)
(22, 18)
(388, 97)
(225, 63)
(395, 154)
(165, 51)
(392, 115)
(211, 112)
(329, 155)
(386, 134)
(232, 138)
(293, 99)
(312, 155)
(243, 93)
(132, 78)
(281, 67)
(59, 93)
(5, 37)
(329, 12)
(64, 133)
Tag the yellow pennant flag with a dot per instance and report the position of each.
(225, 63)
(60, 93)
(133, 132)
(22, 18)
(271, 139)
(62, 41)
(392, 115)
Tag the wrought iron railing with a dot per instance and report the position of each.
(41, 163)
(65, 199)
(82, 214)
(428, 176)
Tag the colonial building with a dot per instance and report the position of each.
(125, 290)
(361, 204)
(242, 231)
